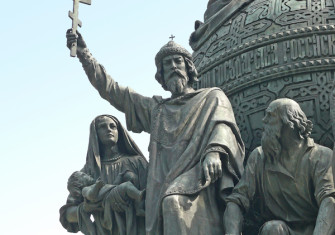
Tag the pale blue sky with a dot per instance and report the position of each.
(47, 102)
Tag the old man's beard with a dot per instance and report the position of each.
(270, 141)
(177, 81)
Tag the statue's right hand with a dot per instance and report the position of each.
(72, 38)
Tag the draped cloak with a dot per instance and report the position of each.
(131, 159)
(183, 130)
(273, 193)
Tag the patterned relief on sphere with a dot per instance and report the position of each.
(263, 18)
(318, 90)
(315, 12)
(257, 10)
(311, 91)
(267, 58)
(238, 31)
(272, 49)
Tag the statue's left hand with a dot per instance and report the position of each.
(212, 166)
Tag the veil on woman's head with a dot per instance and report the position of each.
(125, 143)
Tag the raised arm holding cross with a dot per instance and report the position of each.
(75, 22)
(194, 141)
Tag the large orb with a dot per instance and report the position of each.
(261, 50)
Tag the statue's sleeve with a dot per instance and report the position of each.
(323, 177)
(136, 107)
(245, 190)
(225, 139)
(140, 166)
(70, 227)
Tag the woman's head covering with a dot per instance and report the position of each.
(125, 143)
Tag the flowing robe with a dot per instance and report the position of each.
(109, 222)
(182, 131)
(276, 194)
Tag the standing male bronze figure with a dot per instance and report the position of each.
(288, 181)
(196, 152)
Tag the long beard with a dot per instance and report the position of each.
(270, 141)
(177, 82)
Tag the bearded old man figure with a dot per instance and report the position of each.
(288, 180)
(196, 152)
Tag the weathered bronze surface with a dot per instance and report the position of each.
(214, 6)
(196, 152)
(76, 22)
(260, 50)
(288, 182)
(257, 51)
(108, 187)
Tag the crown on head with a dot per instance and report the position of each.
(171, 48)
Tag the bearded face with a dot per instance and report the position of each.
(272, 125)
(177, 81)
(270, 141)
(175, 75)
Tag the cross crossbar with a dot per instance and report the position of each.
(88, 2)
(76, 22)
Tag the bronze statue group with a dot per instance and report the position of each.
(195, 181)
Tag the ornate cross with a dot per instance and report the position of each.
(172, 37)
(75, 22)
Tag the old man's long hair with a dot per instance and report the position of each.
(290, 114)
